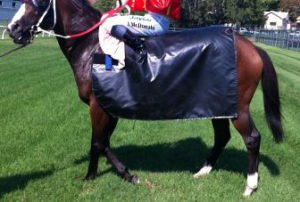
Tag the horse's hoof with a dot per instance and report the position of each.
(203, 171)
(90, 177)
(252, 182)
(134, 179)
(248, 191)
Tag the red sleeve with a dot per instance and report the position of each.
(136, 5)
(160, 4)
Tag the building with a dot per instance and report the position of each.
(297, 23)
(277, 20)
(8, 8)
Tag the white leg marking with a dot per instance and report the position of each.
(205, 170)
(252, 183)
(17, 16)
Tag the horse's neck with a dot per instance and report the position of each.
(74, 17)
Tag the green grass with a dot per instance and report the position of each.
(4, 23)
(45, 138)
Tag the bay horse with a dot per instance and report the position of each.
(67, 17)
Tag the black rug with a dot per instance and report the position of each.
(186, 75)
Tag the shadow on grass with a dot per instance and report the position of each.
(19, 182)
(184, 155)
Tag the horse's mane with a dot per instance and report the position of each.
(90, 7)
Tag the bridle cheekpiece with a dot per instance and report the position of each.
(42, 9)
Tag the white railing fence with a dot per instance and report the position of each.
(3, 33)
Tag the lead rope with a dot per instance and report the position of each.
(13, 50)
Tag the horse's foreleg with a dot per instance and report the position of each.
(102, 127)
(251, 137)
(221, 138)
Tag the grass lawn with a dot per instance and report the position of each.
(45, 138)
(3, 23)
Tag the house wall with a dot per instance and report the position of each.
(8, 8)
(273, 22)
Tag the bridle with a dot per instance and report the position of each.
(43, 11)
(52, 3)
(40, 8)
(35, 29)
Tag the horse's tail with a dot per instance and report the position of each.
(271, 96)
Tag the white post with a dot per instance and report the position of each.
(3, 33)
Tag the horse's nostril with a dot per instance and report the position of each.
(15, 26)
(15, 29)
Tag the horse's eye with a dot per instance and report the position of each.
(41, 2)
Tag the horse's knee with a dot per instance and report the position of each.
(253, 141)
(96, 149)
(84, 93)
(83, 98)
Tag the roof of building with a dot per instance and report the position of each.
(281, 15)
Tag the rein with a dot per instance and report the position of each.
(13, 50)
(108, 14)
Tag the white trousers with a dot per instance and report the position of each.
(148, 25)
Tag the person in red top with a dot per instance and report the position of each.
(129, 28)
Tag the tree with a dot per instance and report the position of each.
(191, 13)
(104, 5)
(291, 6)
(215, 12)
(271, 4)
(254, 12)
(245, 12)
(197, 13)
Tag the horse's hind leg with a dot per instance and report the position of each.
(251, 137)
(102, 128)
(221, 138)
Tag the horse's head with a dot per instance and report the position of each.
(30, 15)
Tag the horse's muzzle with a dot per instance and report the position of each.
(18, 35)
